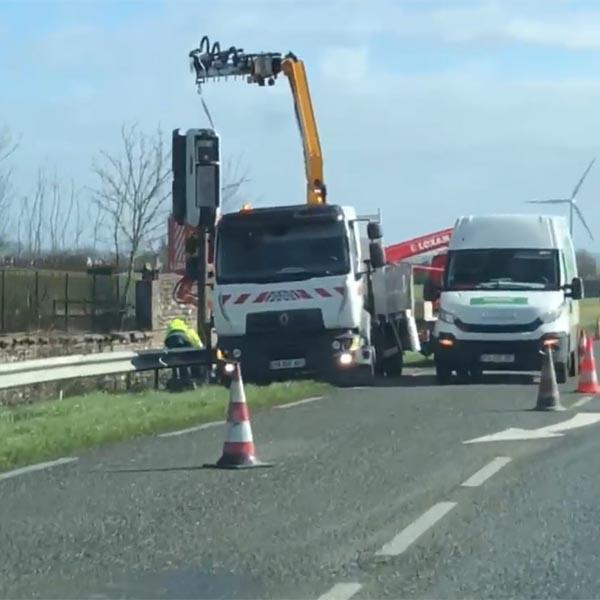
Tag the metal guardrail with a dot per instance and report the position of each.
(90, 365)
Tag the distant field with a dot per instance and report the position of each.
(589, 312)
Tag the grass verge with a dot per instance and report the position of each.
(46, 430)
(416, 359)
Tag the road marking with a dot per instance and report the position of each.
(486, 472)
(550, 431)
(341, 591)
(191, 429)
(416, 529)
(38, 467)
(582, 401)
(299, 402)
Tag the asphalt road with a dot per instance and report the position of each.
(365, 500)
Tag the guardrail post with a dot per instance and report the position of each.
(3, 302)
(155, 379)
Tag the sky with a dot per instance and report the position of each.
(427, 109)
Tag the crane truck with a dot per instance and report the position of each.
(304, 289)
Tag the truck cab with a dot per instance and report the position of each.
(510, 290)
(289, 289)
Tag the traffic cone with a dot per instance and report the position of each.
(238, 449)
(588, 380)
(548, 395)
(581, 348)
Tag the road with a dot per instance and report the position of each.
(366, 499)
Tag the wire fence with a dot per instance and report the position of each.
(33, 299)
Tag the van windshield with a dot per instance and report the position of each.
(503, 269)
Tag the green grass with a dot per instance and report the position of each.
(416, 359)
(47, 430)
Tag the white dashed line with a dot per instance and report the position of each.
(486, 472)
(299, 402)
(341, 591)
(416, 529)
(38, 467)
(192, 429)
(582, 401)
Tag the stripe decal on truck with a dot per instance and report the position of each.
(283, 295)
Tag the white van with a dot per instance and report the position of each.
(510, 289)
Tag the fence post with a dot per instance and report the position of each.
(37, 297)
(3, 307)
(94, 302)
(66, 301)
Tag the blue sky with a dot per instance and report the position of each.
(427, 109)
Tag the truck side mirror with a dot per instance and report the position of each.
(374, 231)
(376, 255)
(431, 291)
(576, 289)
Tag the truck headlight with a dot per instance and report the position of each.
(552, 315)
(446, 316)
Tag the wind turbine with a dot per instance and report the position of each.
(573, 208)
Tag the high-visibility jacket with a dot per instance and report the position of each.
(179, 327)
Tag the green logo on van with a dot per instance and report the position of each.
(511, 300)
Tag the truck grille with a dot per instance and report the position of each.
(510, 328)
(303, 321)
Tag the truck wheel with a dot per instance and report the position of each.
(443, 372)
(561, 372)
(393, 366)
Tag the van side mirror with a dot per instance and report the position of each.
(575, 290)
(374, 231)
(376, 255)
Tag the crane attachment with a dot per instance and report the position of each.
(263, 68)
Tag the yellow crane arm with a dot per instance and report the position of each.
(214, 63)
(313, 158)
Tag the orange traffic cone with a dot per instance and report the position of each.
(548, 395)
(238, 449)
(582, 346)
(588, 380)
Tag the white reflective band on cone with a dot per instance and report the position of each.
(237, 391)
(239, 432)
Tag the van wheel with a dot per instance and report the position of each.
(443, 372)
(561, 372)
(573, 364)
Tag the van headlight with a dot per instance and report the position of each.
(446, 316)
(552, 315)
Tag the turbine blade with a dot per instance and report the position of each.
(580, 215)
(550, 201)
(576, 189)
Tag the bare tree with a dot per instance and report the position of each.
(132, 194)
(235, 175)
(8, 146)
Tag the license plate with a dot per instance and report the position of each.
(497, 358)
(288, 363)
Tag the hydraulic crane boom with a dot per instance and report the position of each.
(214, 63)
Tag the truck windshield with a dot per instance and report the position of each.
(503, 269)
(281, 253)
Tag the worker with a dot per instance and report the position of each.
(180, 335)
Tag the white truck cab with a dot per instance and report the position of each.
(510, 290)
